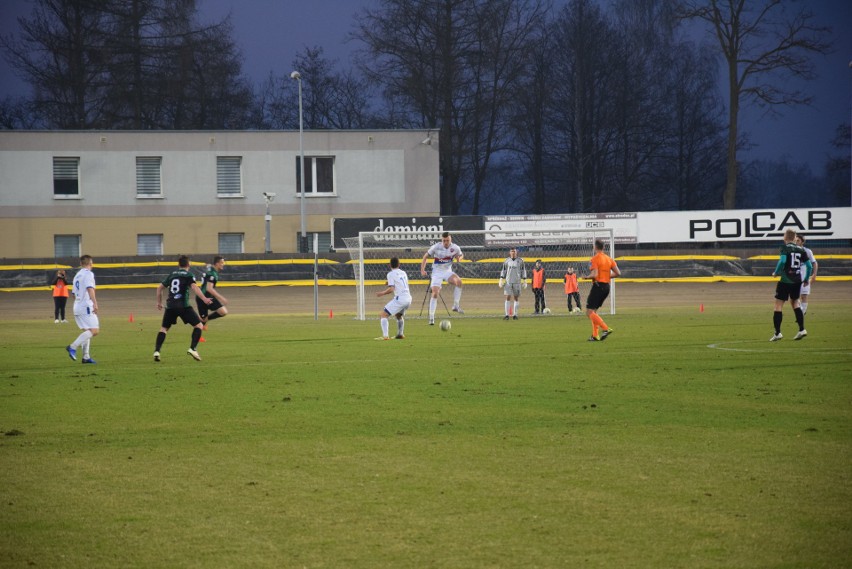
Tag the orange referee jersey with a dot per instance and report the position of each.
(604, 264)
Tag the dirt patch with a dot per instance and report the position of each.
(35, 305)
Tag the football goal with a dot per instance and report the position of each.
(484, 254)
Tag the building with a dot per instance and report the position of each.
(118, 193)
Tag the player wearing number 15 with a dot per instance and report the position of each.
(178, 286)
(789, 287)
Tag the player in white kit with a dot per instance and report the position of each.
(398, 286)
(85, 310)
(443, 255)
(806, 288)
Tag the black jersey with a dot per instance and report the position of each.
(794, 257)
(179, 288)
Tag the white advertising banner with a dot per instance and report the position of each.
(743, 224)
(534, 228)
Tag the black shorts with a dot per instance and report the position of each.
(597, 295)
(785, 291)
(205, 309)
(186, 314)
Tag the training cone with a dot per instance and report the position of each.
(331, 313)
(201, 339)
(131, 317)
(701, 308)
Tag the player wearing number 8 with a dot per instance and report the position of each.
(790, 261)
(178, 285)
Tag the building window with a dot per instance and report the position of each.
(149, 244)
(230, 243)
(229, 182)
(319, 175)
(66, 178)
(323, 241)
(148, 169)
(66, 246)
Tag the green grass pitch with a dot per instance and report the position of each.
(685, 440)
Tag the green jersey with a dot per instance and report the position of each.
(792, 257)
(210, 277)
(179, 288)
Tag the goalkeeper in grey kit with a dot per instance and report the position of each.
(513, 277)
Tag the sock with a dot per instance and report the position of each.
(86, 354)
(800, 318)
(594, 326)
(599, 321)
(776, 320)
(384, 322)
(804, 306)
(400, 326)
(161, 337)
(433, 304)
(80, 339)
(506, 309)
(456, 296)
(196, 336)
(515, 308)
(213, 316)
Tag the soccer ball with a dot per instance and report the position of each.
(446, 325)
(546, 311)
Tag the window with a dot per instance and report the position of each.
(149, 244)
(66, 178)
(148, 170)
(230, 243)
(229, 183)
(319, 175)
(66, 246)
(323, 241)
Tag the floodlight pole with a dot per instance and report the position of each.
(302, 234)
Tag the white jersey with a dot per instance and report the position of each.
(399, 281)
(83, 281)
(803, 269)
(442, 262)
(513, 270)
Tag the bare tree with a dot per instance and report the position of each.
(763, 46)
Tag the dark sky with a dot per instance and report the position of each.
(271, 32)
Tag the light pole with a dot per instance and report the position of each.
(303, 236)
(268, 196)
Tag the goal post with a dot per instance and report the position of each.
(484, 254)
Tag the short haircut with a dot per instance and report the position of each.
(445, 234)
(790, 235)
(513, 249)
(183, 261)
(394, 263)
(218, 258)
(85, 260)
(802, 237)
(599, 244)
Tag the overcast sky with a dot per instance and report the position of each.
(271, 32)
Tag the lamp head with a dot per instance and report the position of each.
(296, 75)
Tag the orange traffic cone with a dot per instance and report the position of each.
(131, 317)
(201, 339)
(701, 308)
(331, 313)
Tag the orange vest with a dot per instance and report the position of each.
(60, 288)
(538, 278)
(571, 283)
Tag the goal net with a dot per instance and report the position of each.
(484, 254)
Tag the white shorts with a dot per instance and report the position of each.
(806, 288)
(513, 289)
(438, 278)
(87, 321)
(397, 305)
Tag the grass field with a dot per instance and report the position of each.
(685, 440)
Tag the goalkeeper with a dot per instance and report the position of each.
(513, 276)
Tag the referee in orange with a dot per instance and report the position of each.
(603, 268)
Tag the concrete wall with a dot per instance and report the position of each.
(377, 173)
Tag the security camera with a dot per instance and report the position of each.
(427, 141)
(269, 195)
(296, 75)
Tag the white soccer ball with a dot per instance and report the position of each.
(546, 311)
(446, 325)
